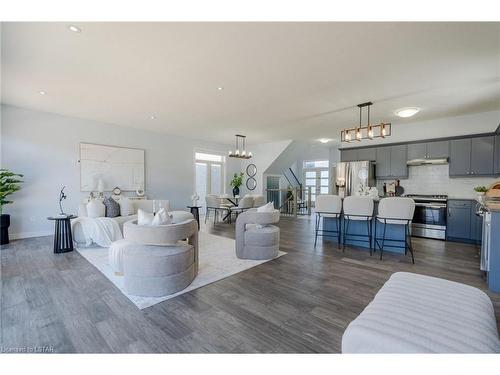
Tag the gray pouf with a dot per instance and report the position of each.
(154, 271)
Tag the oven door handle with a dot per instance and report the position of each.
(430, 205)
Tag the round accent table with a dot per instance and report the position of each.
(63, 239)
(195, 210)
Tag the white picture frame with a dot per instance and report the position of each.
(116, 166)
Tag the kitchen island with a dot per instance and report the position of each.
(490, 248)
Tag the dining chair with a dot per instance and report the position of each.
(244, 204)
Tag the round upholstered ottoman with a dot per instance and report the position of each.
(261, 242)
(154, 271)
(115, 256)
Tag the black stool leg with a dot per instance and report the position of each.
(408, 243)
(369, 225)
(318, 217)
(338, 229)
(383, 241)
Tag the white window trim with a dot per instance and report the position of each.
(209, 163)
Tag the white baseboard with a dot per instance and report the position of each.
(41, 233)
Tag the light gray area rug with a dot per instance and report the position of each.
(217, 261)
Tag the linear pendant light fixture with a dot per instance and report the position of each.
(369, 131)
(240, 153)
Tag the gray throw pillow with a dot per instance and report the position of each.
(112, 207)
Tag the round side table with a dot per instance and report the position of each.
(63, 239)
(195, 210)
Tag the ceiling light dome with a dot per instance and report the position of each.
(74, 28)
(407, 112)
(324, 140)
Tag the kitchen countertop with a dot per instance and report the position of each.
(495, 208)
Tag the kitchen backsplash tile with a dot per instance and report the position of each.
(435, 179)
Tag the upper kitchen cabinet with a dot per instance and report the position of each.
(429, 150)
(460, 157)
(497, 154)
(472, 156)
(359, 154)
(482, 155)
(438, 150)
(399, 156)
(391, 162)
(367, 154)
(417, 151)
(349, 155)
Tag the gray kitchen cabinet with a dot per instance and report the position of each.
(349, 155)
(391, 162)
(460, 150)
(472, 156)
(399, 157)
(383, 166)
(369, 154)
(429, 150)
(458, 223)
(417, 151)
(482, 155)
(463, 225)
(439, 149)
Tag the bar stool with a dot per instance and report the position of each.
(395, 211)
(358, 209)
(329, 206)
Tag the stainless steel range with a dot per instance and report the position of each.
(429, 219)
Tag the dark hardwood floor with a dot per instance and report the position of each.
(300, 302)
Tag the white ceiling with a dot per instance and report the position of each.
(281, 80)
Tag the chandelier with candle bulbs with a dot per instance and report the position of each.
(369, 131)
(240, 151)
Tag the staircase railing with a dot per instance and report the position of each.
(294, 204)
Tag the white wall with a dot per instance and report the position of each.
(435, 179)
(485, 122)
(44, 147)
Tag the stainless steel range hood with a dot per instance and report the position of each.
(427, 161)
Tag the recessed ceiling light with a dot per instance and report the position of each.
(41, 92)
(324, 140)
(74, 28)
(407, 112)
(220, 88)
(153, 117)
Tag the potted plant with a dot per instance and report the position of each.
(236, 182)
(9, 183)
(480, 190)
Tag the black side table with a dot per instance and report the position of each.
(63, 239)
(195, 210)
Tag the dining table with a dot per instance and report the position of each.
(232, 200)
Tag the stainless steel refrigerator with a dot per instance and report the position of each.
(350, 176)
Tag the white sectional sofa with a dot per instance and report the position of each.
(136, 204)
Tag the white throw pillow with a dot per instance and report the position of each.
(126, 208)
(144, 218)
(269, 207)
(161, 218)
(95, 208)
